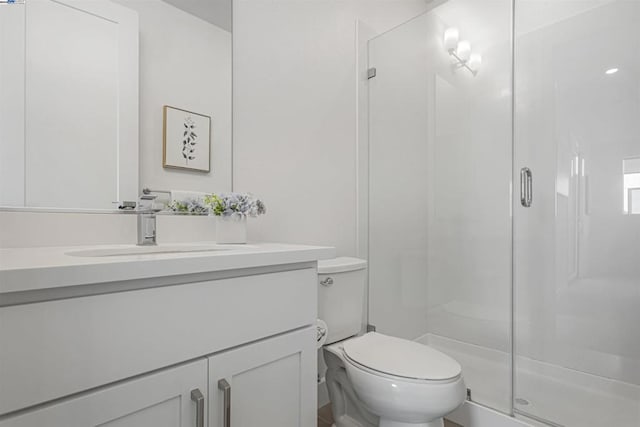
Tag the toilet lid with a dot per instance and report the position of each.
(401, 358)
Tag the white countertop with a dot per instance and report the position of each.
(27, 269)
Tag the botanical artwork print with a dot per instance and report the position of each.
(189, 140)
(186, 140)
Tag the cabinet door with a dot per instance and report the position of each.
(162, 399)
(270, 383)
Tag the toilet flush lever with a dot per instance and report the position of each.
(327, 282)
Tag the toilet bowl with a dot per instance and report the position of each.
(374, 379)
(391, 382)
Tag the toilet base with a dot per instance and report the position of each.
(350, 411)
(389, 423)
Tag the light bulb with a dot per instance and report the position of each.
(451, 38)
(475, 60)
(611, 71)
(464, 50)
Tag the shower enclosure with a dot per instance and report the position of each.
(504, 200)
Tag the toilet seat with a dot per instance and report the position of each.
(397, 357)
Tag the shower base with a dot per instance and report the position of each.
(564, 397)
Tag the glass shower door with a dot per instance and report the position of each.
(439, 188)
(577, 247)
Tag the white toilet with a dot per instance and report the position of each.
(375, 379)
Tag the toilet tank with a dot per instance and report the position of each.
(341, 292)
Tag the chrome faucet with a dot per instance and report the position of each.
(147, 228)
(146, 221)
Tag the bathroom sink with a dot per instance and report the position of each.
(152, 250)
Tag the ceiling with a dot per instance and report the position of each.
(217, 12)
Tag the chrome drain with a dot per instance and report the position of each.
(521, 401)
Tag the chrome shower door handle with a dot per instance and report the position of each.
(198, 398)
(526, 187)
(226, 410)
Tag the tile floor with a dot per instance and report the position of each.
(325, 418)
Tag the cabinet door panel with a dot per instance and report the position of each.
(162, 399)
(273, 382)
(164, 414)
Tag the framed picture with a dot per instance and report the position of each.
(186, 140)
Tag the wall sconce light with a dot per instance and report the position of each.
(451, 39)
(461, 51)
(475, 60)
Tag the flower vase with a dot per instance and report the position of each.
(231, 229)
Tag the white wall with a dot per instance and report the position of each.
(12, 94)
(28, 229)
(295, 116)
(185, 62)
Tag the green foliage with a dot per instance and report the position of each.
(215, 203)
(179, 207)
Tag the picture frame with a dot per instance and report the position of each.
(186, 140)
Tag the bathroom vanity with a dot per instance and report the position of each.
(218, 336)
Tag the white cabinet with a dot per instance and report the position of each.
(133, 357)
(269, 383)
(161, 399)
(124, 334)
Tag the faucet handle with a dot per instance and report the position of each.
(146, 200)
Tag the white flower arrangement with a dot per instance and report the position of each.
(190, 206)
(234, 205)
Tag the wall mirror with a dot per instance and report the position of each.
(84, 90)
